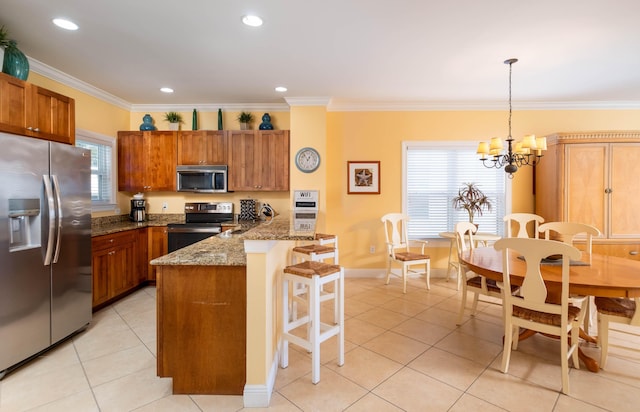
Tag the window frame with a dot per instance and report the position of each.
(440, 145)
(96, 138)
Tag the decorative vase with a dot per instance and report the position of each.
(15, 62)
(244, 126)
(266, 122)
(219, 119)
(147, 123)
(174, 126)
(194, 120)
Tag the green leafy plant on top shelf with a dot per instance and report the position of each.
(245, 117)
(471, 199)
(173, 117)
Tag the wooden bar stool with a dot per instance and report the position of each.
(313, 275)
(316, 252)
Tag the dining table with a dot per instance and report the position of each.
(483, 238)
(592, 275)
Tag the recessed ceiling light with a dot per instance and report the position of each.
(253, 21)
(65, 24)
(166, 90)
(281, 89)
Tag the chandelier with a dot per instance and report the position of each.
(523, 153)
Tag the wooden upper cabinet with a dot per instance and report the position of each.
(202, 147)
(34, 111)
(147, 161)
(258, 160)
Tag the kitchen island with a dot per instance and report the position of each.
(218, 312)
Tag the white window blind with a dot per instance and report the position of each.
(102, 168)
(433, 174)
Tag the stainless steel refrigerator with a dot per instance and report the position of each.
(45, 245)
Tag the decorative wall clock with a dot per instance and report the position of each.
(307, 159)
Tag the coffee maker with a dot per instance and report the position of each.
(138, 209)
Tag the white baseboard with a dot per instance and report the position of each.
(259, 396)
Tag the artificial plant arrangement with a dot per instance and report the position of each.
(173, 117)
(245, 118)
(471, 199)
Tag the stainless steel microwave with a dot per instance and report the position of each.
(202, 179)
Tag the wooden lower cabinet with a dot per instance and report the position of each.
(114, 265)
(157, 245)
(201, 319)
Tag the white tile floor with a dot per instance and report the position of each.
(404, 352)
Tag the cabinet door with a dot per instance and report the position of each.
(160, 160)
(158, 246)
(586, 172)
(142, 255)
(131, 162)
(122, 269)
(624, 219)
(243, 163)
(100, 264)
(14, 98)
(53, 116)
(273, 146)
(208, 147)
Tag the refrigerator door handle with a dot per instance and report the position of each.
(48, 191)
(56, 190)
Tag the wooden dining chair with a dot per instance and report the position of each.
(398, 249)
(618, 310)
(567, 232)
(523, 219)
(529, 309)
(471, 281)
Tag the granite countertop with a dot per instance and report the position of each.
(227, 249)
(113, 224)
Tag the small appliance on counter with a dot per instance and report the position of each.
(138, 208)
(247, 210)
(267, 212)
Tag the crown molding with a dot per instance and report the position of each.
(57, 75)
(308, 101)
(360, 106)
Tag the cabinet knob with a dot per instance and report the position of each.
(110, 240)
(608, 190)
(29, 128)
(113, 252)
(36, 129)
(633, 252)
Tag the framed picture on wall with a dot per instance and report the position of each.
(363, 177)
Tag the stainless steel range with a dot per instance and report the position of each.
(202, 220)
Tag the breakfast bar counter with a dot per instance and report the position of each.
(218, 313)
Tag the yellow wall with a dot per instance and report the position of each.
(379, 135)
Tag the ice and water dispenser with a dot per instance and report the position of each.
(24, 224)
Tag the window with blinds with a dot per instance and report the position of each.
(433, 173)
(102, 168)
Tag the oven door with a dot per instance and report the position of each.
(180, 236)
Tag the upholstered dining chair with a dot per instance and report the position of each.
(523, 219)
(618, 310)
(529, 309)
(399, 252)
(471, 281)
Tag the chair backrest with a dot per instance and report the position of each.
(533, 292)
(395, 230)
(464, 236)
(523, 220)
(567, 231)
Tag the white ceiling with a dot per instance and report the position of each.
(372, 52)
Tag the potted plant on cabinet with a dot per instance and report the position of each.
(471, 199)
(174, 119)
(245, 118)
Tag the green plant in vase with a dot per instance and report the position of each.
(245, 118)
(471, 199)
(174, 119)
